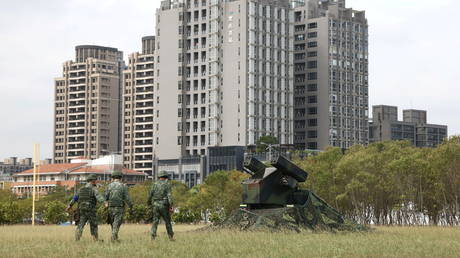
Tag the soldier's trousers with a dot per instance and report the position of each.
(161, 210)
(90, 217)
(116, 215)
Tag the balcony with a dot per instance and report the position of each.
(144, 119)
(77, 89)
(76, 125)
(144, 127)
(76, 117)
(76, 103)
(76, 110)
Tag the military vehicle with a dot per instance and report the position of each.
(272, 199)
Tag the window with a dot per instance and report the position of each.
(312, 99)
(312, 64)
(312, 145)
(312, 76)
(312, 53)
(313, 25)
(312, 134)
(312, 44)
(299, 37)
(312, 110)
(313, 122)
(312, 87)
(312, 35)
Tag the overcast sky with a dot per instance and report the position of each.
(414, 48)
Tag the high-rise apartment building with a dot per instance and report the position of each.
(330, 75)
(138, 101)
(223, 74)
(87, 105)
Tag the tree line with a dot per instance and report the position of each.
(213, 200)
(384, 183)
(390, 183)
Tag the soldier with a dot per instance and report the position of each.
(87, 198)
(161, 203)
(117, 197)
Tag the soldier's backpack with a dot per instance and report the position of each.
(116, 195)
(86, 198)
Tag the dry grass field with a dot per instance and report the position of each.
(57, 241)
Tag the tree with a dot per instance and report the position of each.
(263, 142)
(138, 214)
(55, 213)
(219, 194)
(6, 195)
(139, 193)
(10, 213)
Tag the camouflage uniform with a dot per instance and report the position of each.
(160, 201)
(87, 198)
(117, 196)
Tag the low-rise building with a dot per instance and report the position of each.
(71, 174)
(414, 127)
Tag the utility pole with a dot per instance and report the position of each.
(36, 164)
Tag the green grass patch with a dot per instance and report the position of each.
(57, 241)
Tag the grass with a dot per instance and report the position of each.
(57, 241)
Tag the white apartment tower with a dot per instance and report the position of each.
(87, 106)
(330, 75)
(224, 74)
(138, 102)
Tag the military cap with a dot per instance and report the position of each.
(91, 177)
(163, 174)
(117, 174)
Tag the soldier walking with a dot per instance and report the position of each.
(117, 198)
(161, 204)
(87, 198)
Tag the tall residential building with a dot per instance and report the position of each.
(385, 126)
(87, 105)
(138, 104)
(330, 75)
(223, 74)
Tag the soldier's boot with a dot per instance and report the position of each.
(115, 239)
(171, 238)
(78, 234)
(96, 238)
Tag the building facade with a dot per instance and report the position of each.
(11, 166)
(193, 170)
(330, 75)
(87, 104)
(72, 174)
(138, 102)
(413, 128)
(223, 75)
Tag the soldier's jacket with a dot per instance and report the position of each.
(87, 198)
(117, 195)
(160, 192)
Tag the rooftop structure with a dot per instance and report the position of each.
(414, 127)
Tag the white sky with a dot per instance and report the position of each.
(413, 45)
